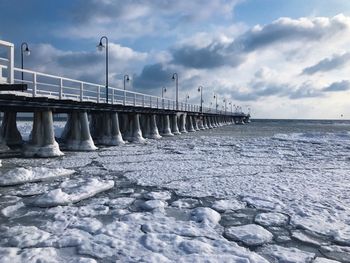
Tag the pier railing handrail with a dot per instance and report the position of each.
(52, 86)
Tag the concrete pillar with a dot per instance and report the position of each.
(166, 131)
(126, 127)
(209, 122)
(195, 123)
(136, 129)
(8, 130)
(42, 142)
(201, 123)
(205, 122)
(174, 127)
(151, 129)
(183, 123)
(76, 134)
(105, 128)
(190, 124)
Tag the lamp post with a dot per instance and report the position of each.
(225, 105)
(176, 78)
(216, 105)
(200, 89)
(25, 51)
(163, 91)
(126, 79)
(100, 47)
(187, 97)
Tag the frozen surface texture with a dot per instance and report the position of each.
(207, 196)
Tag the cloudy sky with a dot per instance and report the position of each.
(283, 59)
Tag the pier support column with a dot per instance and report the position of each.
(76, 134)
(195, 123)
(8, 131)
(183, 123)
(136, 134)
(201, 123)
(210, 122)
(190, 124)
(174, 127)
(42, 142)
(151, 129)
(105, 128)
(166, 131)
(205, 122)
(126, 128)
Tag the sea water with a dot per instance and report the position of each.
(268, 191)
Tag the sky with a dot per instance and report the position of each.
(281, 59)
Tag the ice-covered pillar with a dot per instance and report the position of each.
(42, 142)
(136, 129)
(166, 131)
(76, 134)
(9, 132)
(195, 123)
(201, 123)
(105, 128)
(174, 127)
(209, 122)
(183, 123)
(205, 123)
(126, 127)
(190, 124)
(151, 129)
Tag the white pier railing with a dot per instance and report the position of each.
(61, 88)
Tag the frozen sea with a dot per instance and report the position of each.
(269, 191)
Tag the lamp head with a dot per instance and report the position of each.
(164, 90)
(127, 78)
(26, 51)
(100, 46)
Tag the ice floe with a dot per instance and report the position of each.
(271, 219)
(206, 215)
(287, 255)
(73, 192)
(225, 205)
(36, 174)
(250, 235)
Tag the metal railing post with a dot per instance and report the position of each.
(98, 93)
(34, 85)
(112, 96)
(143, 101)
(61, 89)
(81, 90)
(134, 99)
(124, 99)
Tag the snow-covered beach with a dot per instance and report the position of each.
(254, 193)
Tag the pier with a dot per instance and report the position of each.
(96, 115)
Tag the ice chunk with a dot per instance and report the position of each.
(206, 215)
(185, 203)
(11, 210)
(271, 219)
(79, 191)
(157, 195)
(88, 224)
(224, 205)
(36, 174)
(264, 202)
(325, 260)
(287, 255)
(153, 204)
(24, 236)
(250, 235)
(303, 237)
(339, 253)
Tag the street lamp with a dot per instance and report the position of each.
(126, 79)
(100, 47)
(163, 91)
(225, 105)
(200, 89)
(24, 50)
(176, 78)
(216, 105)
